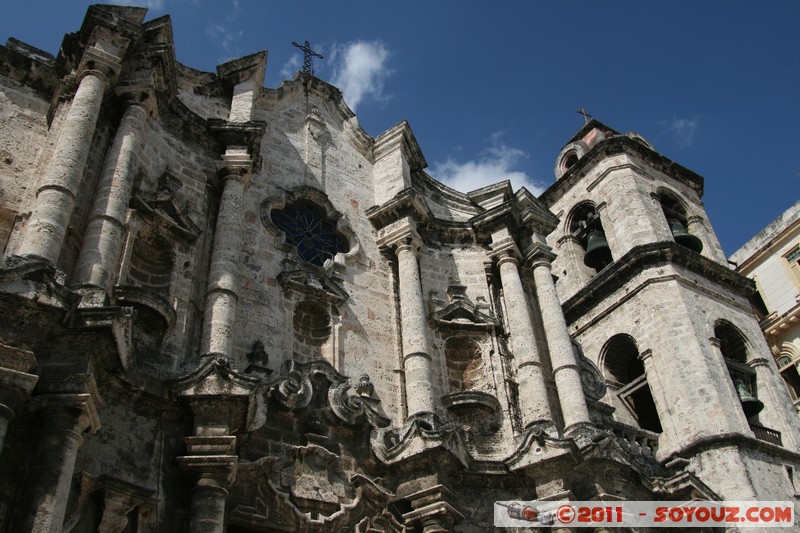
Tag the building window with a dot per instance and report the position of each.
(788, 360)
(307, 230)
(793, 260)
(625, 373)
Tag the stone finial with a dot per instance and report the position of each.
(258, 359)
(365, 386)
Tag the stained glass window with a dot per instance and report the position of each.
(315, 239)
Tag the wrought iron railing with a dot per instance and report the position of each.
(766, 434)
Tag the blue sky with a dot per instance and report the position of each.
(491, 89)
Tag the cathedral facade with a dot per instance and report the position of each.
(228, 308)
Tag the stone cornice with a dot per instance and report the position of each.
(618, 145)
(400, 137)
(406, 203)
(610, 279)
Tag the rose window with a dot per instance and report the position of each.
(313, 237)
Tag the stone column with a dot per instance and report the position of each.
(533, 402)
(559, 343)
(415, 334)
(213, 475)
(222, 294)
(62, 419)
(403, 238)
(55, 198)
(102, 240)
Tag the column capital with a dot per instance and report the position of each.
(504, 246)
(98, 62)
(432, 510)
(400, 234)
(211, 471)
(15, 387)
(235, 165)
(138, 94)
(539, 255)
(88, 419)
(645, 355)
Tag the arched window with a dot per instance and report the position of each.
(625, 372)
(309, 232)
(585, 225)
(675, 213)
(787, 361)
(733, 346)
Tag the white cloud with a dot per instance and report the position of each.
(360, 70)
(225, 38)
(682, 129)
(155, 5)
(291, 66)
(495, 163)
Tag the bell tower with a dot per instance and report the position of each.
(647, 294)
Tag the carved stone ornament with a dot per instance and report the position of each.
(354, 408)
(307, 490)
(295, 390)
(594, 386)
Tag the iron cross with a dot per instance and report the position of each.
(308, 55)
(586, 116)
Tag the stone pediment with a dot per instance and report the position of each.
(313, 284)
(214, 378)
(463, 315)
(161, 208)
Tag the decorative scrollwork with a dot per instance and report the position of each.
(294, 390)
(594, 386)
(355, 408)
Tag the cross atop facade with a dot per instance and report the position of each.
(308, 55)
(586, 116)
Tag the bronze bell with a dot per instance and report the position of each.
(598, 254)
(750, 404)
(683, 237)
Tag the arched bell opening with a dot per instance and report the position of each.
(625, 373)
(587, 228)
(733, 346)
(675, 213)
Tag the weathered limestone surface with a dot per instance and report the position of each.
(175, 357)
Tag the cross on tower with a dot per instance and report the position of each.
(586, 116)
(308, 55)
